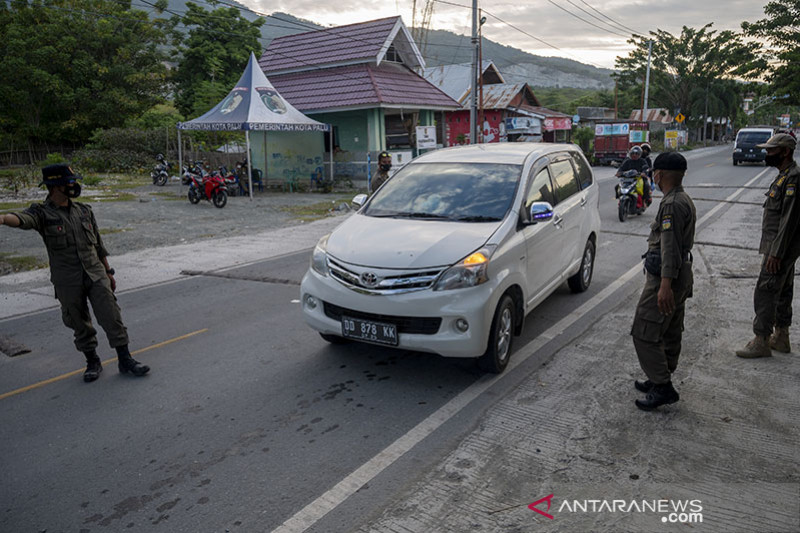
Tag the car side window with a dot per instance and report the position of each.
(564, 179)
(541, 190)
(584, 171)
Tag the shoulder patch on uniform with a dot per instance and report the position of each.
(790, 190)
(666, 223)
(780, 181)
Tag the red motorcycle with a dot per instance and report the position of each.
(211, 188)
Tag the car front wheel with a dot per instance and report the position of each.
(580, 281)
(498, 352)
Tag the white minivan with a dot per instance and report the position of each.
(452, 252)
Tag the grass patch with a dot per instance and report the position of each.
(109, 231)
(18, 263)
(117, 197)
(315, 211)
(14, 206)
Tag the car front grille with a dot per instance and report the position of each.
(392, 283)
(405, 324)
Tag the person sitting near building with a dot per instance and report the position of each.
(384, 166)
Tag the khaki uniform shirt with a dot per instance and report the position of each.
(380, 177)
(673, 231)
(72, 239)
(779, 235)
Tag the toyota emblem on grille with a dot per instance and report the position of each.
(369, 279)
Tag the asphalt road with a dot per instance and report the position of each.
(248, 415)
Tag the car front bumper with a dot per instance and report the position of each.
(475, 305)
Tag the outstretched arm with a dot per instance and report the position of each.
(10, 220)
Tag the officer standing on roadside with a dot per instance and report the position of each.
(384, 166)
(658, 322)
(780, 244)
(79, 269)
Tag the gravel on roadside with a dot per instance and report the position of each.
(163, 216)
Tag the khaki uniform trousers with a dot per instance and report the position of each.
(74, 301)
(772, 298)
(657, 337)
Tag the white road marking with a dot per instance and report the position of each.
(317, 509)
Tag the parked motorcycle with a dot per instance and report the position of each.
(160, 172)
(193, 170)
(211, 188)
(630, 193)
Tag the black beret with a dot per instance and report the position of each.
(670, 161)
(59, 174)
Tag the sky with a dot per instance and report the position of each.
(572, 38)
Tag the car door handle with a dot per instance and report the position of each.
(557, 220)
(583, 201)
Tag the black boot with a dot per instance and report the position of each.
(93, 366)
(658, 395)
(643, 386)
(129, 364)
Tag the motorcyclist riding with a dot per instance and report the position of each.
(634, 161)
(646, 150)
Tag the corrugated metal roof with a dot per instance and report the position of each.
(454, 80)
(352, 42)
(548, 113)
(359, 85)
(499, 96)
(653, 115)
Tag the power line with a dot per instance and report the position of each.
(609, 18)
(612, 26)
(565, 10)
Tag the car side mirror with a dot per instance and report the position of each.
(540, 212)
(359, 200)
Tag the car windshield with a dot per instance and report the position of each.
(753, 137)
(468, 192)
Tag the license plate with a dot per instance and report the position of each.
(367, 330)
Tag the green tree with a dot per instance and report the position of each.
(688, 62)
(781, 28)
(213, 51)
(72, 66)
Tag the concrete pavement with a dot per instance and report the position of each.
(571, 430)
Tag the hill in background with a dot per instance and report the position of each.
(445, 47)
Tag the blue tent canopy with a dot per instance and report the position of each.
(253, 105)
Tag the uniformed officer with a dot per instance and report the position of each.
(658, 322)
(79, 268)
(780, 244)
(384, 165)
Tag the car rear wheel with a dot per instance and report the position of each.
(498, 352)
(581, 281)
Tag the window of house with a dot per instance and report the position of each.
(392, 55)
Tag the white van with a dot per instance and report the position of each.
(452, 252)
(745, 145)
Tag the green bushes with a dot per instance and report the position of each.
(128, 150)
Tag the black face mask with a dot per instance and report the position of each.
(386, 168)
(773, 160)
(73, 190)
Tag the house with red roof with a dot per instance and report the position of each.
(360, 79)
(507, 111)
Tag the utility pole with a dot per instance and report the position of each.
(473, 108)
(481, 20)
(647, 80)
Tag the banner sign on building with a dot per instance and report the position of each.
(612, 129)
(639, 136)
(426, 137)
(551, 124)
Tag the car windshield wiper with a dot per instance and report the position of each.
(408, 214)
(477, 218)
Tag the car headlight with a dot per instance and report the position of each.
(737, 150)
(319, 259)
(469, 272)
